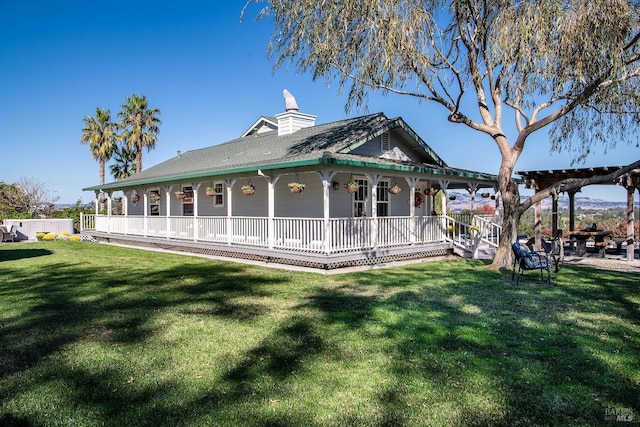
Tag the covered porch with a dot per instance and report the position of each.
(311, 242)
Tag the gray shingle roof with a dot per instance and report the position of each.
(332, 140)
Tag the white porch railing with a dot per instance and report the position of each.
(489, 231)
(468, 237)
(299, 234)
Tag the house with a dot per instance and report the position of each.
(198, 200)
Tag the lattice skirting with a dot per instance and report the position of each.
(316, 261)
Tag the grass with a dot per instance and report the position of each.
(101, 335)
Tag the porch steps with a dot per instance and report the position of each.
(485, 251)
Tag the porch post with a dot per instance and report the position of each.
(108, 193)
(374, 179)
(229, 185)
(97, 193)
(443, 197)
(195, 186)
(125, 211)
(271, 182)
(145, 211)
(167, 196)
(471, 189)
(326, 177)
(412, 208)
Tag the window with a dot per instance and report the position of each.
(154, 202)
(360, 198)
(187, 202)
(385, 142)
(383, 198)
(218, 199)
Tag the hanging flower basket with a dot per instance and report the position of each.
(210, 191)
(180, 194)
(485, 195)
(429, 191)
(297, 187)
(419, 199)
(248, 190)
(135, 198)
(351, 186)
(395, 189)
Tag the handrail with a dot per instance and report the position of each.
(489, 231)
(469, 236)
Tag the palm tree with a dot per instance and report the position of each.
(140, 126)
(100, 134)
(125, 162)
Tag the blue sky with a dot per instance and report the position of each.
(208, 74)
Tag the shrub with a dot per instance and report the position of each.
(63, 236)
(74, 238)
(40, 235)
(49, 236)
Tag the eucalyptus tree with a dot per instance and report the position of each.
(140, 126)
(504, 68)
(125, 162)
(101, 135)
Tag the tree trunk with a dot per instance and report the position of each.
(138, 160)
(511, 214)
(102, 164)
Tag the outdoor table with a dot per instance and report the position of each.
(582, 236)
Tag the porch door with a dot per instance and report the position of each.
(361, 198)
(187, 202)
(383, 198)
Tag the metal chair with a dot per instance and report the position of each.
(527, 260)
(8, 234)
(554, 251)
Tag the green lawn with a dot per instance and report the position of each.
(100, 335)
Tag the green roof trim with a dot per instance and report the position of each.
(326, 159)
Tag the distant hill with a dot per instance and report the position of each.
(463, 201)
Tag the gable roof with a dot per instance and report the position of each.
(263, 121)
(329, 143)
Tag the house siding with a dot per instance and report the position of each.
(399, 149)
(307, 204)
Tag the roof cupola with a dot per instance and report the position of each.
(292, 120)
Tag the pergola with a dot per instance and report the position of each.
(543, 179)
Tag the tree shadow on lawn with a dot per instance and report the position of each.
(67, 303)
(503, 354)
(236, 396)
(454, 335)
(15, 254)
